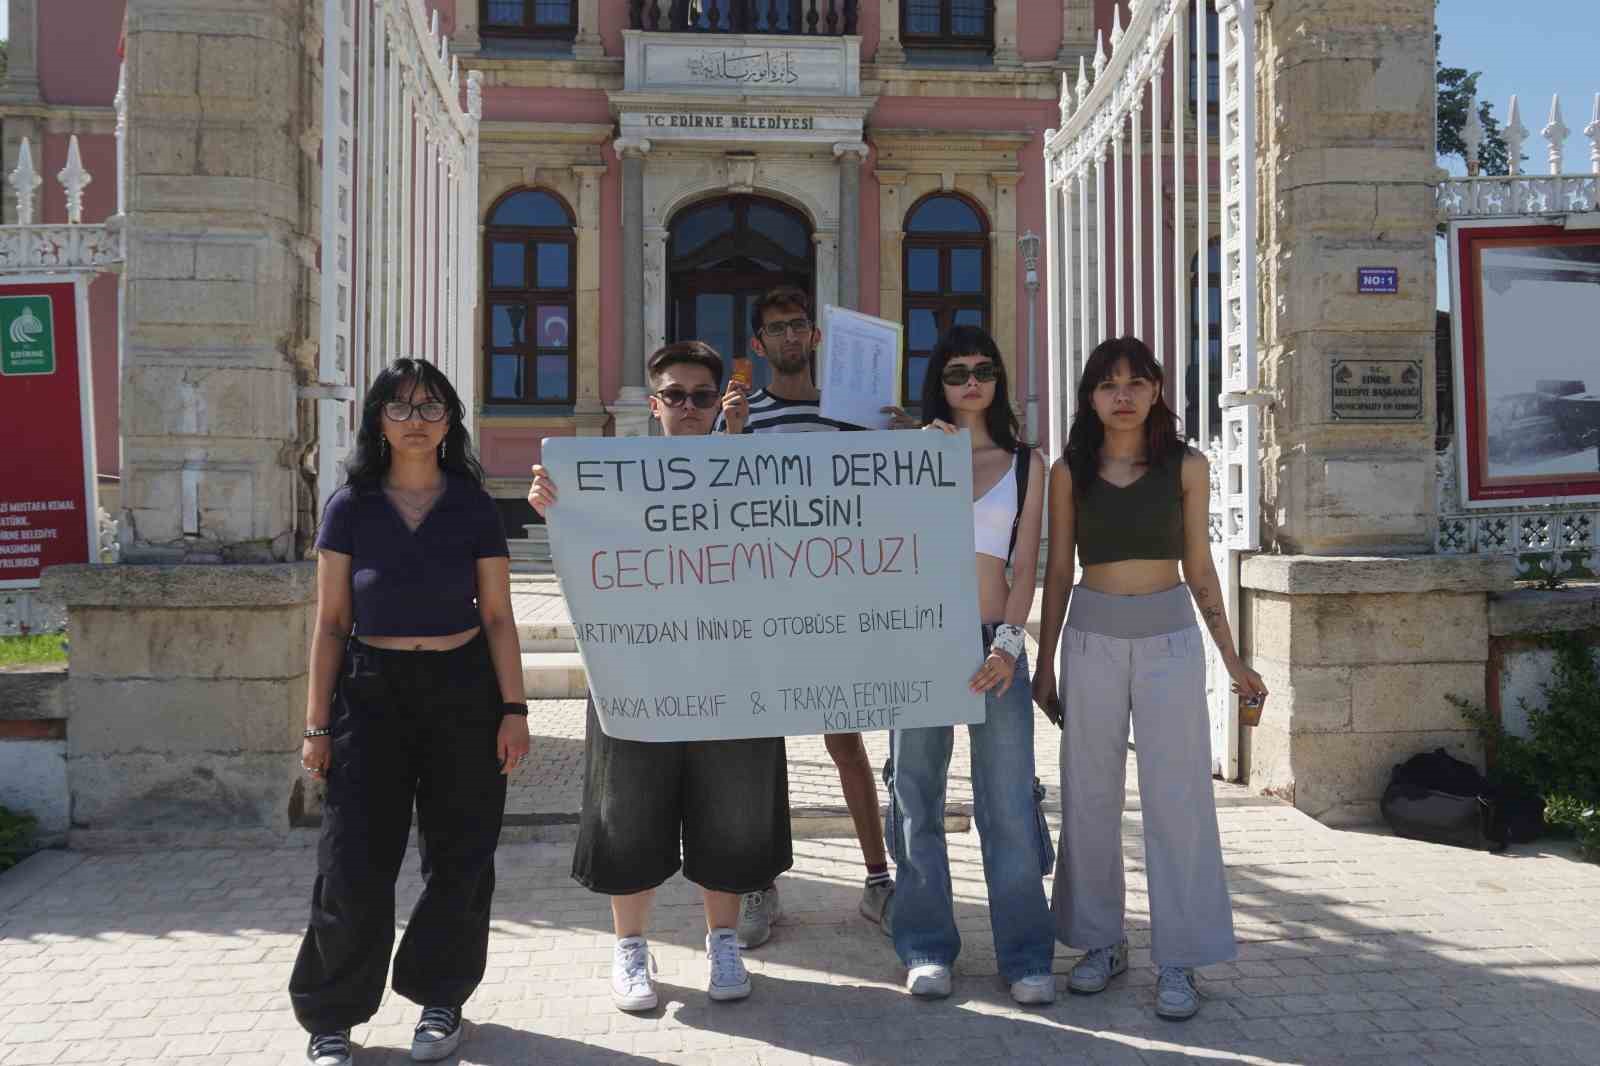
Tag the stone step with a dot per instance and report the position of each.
(553, 675)
(546, 637)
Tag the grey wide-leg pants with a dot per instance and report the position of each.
(1159, 680)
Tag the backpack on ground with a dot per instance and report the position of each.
(1438, 798)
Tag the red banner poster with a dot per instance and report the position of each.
(47, 495)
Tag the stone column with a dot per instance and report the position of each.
(891, 220)
(1345, 158)
(22, 58)
(889, 47)
(589, 413)
(465, 37)
(1359, 636)
(850, 155)
(188, 681)
(1077, 32)
(631, 411)
(587, 43)
(1006, 56)
(1003, 269)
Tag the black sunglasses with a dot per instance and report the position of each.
(959, 373)
(704, 399)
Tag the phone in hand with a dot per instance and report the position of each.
(1052, 711)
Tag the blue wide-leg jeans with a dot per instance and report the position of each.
(1016, 842)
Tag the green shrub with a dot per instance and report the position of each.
(1559, 759)
(16, 837)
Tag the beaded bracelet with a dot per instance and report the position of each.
(323, 732)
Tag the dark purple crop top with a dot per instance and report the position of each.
(405, 584)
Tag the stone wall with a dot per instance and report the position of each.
(1521, 662)
(1346, 173)
(213, 313)
(186, 694)
(1360, 655)
(33, 747)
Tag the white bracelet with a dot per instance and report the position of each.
(1008, 639)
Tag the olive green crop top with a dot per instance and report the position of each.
(1142, 520)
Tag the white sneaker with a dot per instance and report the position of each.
(729, 978)
(437, 1035)
(874, 898)
(758, 913)
(1034, 989)
(632, 987)
(930, 981)
(1177, 997)
(329, 1049)
(1097, 967)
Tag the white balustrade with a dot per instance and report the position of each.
(399, 233)
(29, 246)
(1547, 536)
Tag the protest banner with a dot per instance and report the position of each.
(47, 497)
(747, 586)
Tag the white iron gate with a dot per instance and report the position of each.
(1125, 179)
(399, 253)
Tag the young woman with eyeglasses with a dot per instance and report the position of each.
(1129, 502)
(415, 698)
(965, 389)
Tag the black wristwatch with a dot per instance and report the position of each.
(510, 707)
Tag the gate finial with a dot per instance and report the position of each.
(1101, 56)
(1083, 82)
(74, 179)
(24, 180)
(1592, 131)
(1555, 131)
(1515, 133)
(1472, 136)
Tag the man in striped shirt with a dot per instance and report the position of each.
(784, 333)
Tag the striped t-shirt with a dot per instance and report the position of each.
(773, 414)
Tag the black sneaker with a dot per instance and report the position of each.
(437, 1034)
(329, 1049)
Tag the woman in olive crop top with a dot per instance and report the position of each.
(415, 699)
(1131, 501)
(965, 389)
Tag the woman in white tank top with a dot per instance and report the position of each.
(965, 389)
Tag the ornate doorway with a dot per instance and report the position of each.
(721, 256)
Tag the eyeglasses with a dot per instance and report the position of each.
(959, 373)
(704, 399)
(430, 410)
(778, 329)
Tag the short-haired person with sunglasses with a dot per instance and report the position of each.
(784, 333)
(415, 699)
(965, 388)
(727, 801)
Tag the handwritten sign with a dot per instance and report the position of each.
(860, 367)
(1376, 390)
(725, 587)
(1377, 280)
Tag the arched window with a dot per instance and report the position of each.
(529, 278)
(1191, 387)
(721, 256)
(946, 278)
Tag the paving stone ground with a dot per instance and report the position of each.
(1355, 947)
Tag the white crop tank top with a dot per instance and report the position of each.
(994, 514)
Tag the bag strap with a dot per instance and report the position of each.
(1022, 470)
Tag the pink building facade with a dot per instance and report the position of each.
(648, 166)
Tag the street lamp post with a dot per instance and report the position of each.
(1028, 247)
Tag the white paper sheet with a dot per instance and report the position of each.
(860, 367)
